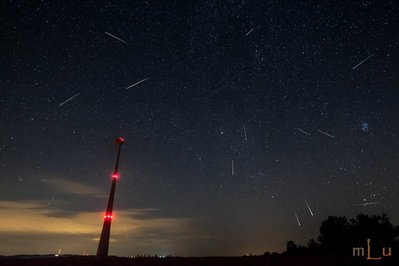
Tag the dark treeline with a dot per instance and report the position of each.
(338, 235)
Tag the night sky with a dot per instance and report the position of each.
(241, 114)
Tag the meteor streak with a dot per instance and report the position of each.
(325, 133)
(137, 83)
(245, 133)
(113, 36)
(370, 56)
(367, 203)
(70, 99)
(249, 32)
(310, 210)
(300, 130)
(297, 219)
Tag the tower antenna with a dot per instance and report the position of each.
(103, 245)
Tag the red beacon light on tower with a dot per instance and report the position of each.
(115, 176)
(120, 140)
(108, 216)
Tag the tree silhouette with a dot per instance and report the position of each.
(313, 246)
(377, 228)
(335, 235)
(291, 247)
(338, 235)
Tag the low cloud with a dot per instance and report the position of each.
(34, 227)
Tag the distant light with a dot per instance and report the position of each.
(120, 140)
(115, 176)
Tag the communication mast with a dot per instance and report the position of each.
(103, 245)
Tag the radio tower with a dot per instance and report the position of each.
(102, 250)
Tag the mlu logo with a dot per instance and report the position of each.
(359, 251)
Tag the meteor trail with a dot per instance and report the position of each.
(367, 203)
(300, 130)
(325, 133)
(310, 210)
(137, 83)
(249, 32)
(245, 133)
(113, 36)
(232, 167)
(70, 99)
(297, 219)
(370, 56)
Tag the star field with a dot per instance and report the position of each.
(242, 120)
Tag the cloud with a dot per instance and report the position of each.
(33, 227)
(73, 187)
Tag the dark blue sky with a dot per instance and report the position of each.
(302, 97)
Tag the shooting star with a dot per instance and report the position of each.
(303, 131)
(137, 83)
(370, 56)
(310, 210)
(232, 167)
(245, 133)
(297, 219)
(113, 36)
(70, 99)
(325, 133)
(249, 32)
(367, 203)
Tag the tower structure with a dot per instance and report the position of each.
(103, 245)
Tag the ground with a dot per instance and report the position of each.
(203, 261)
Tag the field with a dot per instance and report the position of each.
(200, 261)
